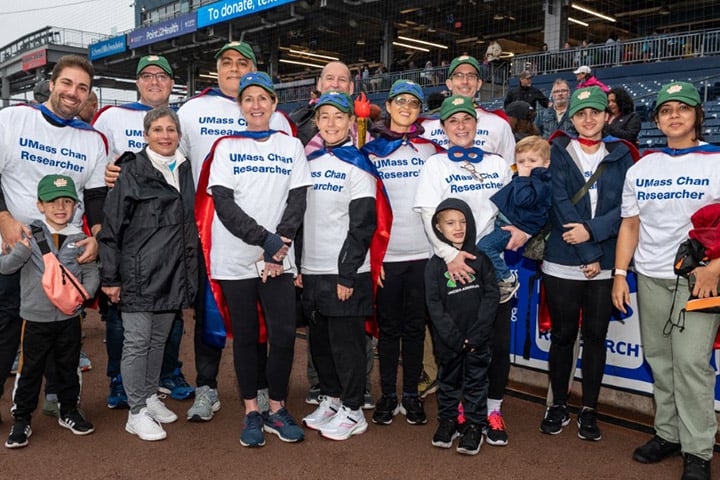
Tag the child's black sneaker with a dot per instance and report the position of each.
(385, 410)
(75, 422)
(471, 440)
(556, 417)
(446, 432)
(19, 434)
(587, 425)
(413, 409)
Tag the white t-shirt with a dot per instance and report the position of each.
(442, 178)
(666, 191)
(31, 147)
(209, 116)
(400, 172)
(261, 174)
(123, 128)
(493, 135)
(335, 184)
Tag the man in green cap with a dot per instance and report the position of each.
(493, 131)
(123, 128)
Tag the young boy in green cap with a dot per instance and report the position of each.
(46, 329)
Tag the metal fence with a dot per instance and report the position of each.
(654, 48)
(50, 36)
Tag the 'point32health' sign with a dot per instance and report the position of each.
(229, 9)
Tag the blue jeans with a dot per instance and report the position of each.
(492, 245)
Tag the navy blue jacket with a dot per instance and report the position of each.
(566, 181)
(525, 201)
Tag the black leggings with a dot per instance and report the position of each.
(277, 297)
(500, 363)
(566, 300)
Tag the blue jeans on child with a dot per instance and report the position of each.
(493, 244)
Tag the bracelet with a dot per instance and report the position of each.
(619, 271)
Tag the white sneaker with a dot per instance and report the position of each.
(158, 410)
(329, 406)
(345, 424)
(144, 426)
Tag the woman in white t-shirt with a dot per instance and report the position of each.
(398, 153)
(337, 287)
(473, 175)
(258, 181)
(580, 253)
(662, 191)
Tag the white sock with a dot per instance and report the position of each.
(494, 405)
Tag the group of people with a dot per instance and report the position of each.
(408, 222)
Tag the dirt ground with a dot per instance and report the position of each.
(212, 450)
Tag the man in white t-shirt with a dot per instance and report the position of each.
(494, 134)
(123, 128)
(37, 140)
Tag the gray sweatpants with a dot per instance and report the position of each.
(144, 343)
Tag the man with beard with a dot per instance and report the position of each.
(556, 117)
(37, 140)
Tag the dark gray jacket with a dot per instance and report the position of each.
(148, 244)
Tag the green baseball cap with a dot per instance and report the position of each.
(455, 104)
(156, 60)
(591, 97)
(680, 92)
(242, 48)
(56, 186)
(457, 61)
(339, 100)
(257, 79)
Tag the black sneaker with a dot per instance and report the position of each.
(587, 425)
(445, 434)
(471, 440)
(19, 434)
(412, 408)
(495, 433)
(385, 410)
(656, 450)
(695, 468)
(75, 422)
(556, 417)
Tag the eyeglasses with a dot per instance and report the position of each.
(462, 76)
(471, 170)
(160, 77)
(410, 102)
(560, 91)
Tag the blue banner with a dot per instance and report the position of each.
(162, 31)
(229, 9)
(625, 366)
(107, 47)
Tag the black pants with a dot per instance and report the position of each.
(207, 357)
(566, 300)
(10, 323)
(277, 297)
(40, 339)
(500, 363)
(338, 351)
(463, 377)
(401, 317)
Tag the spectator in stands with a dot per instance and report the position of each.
(624, 122)
(493, 61)
(556, 117)
(526, 92)
(586, 79)
(684, 381)
(522, 119)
